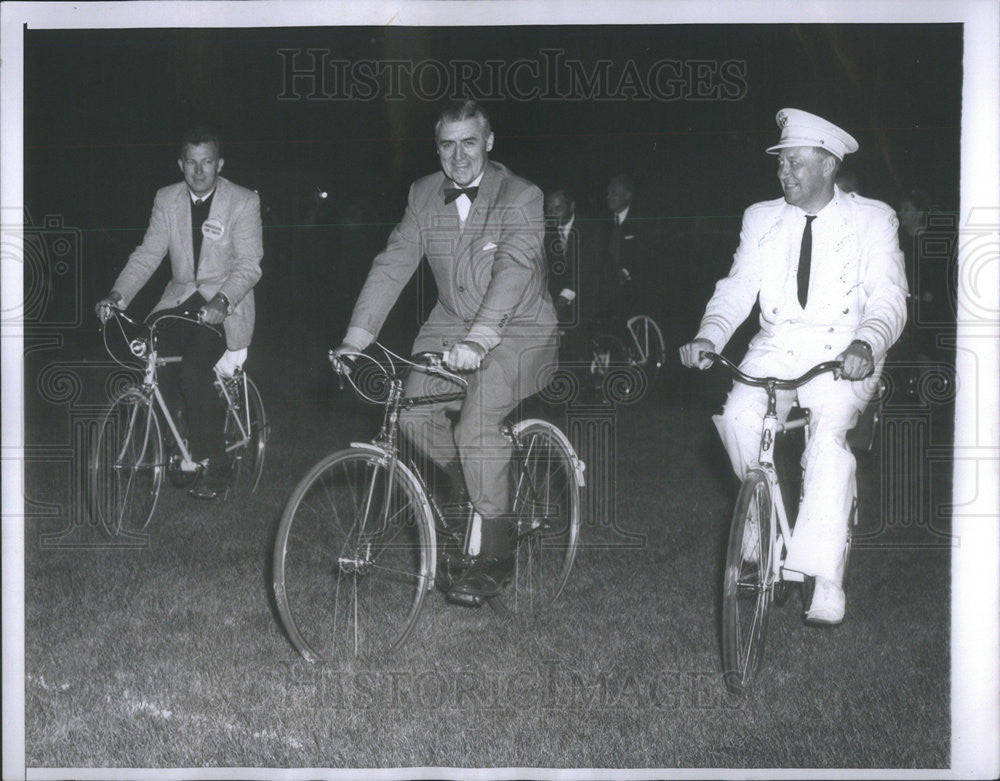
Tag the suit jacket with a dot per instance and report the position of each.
(633, 246)
(575, 264)
(228, 263)
(857, 284)
(490, 275)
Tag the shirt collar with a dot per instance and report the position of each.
(195, 198)
(623, 214)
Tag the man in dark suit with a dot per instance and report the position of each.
(570, 246)
(481, 229)
(211, 229)
(629, 278)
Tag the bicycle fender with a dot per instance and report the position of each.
(579, 467)
(425, 503)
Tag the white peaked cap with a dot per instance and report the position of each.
(800, 128)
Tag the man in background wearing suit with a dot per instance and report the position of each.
(569, 253)
(629, 279)
(481, 229)
(211, 229)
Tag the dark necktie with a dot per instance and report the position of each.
(805, 258)
(453, 192)
(199, 213)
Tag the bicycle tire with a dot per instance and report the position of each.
(126, 467)
(747, 584)
(648, 350)
(546, 503)
(348, 584)
(247, 460)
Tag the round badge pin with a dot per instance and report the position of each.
(212, 229)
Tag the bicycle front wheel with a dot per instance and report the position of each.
(747, 583)
(546, 503)
(246, 433)
(126, 466)
(353, 557)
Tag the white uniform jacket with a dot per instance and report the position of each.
(857, 282)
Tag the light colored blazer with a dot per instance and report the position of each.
(490, 275)
(857, 282)
(229, 263)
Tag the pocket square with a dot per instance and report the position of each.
(488, 246)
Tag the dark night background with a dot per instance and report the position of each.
(104, 110)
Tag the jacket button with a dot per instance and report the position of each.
(774, 311)
(847, 309)
(461, 289)
(830, 331)
(828, 347)
(466, 319)
(790, 352)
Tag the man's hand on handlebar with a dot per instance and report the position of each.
(213, 313)
(858, 362)
(103, 307)
(340, 357)
(692, 354)
(464, 357)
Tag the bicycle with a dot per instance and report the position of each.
(755, 575)
(642, 349)
(362, 540)
(128, 462)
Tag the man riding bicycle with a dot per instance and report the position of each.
(480, 228)
(211, 229)
(828, 272)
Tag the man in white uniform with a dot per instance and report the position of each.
(828, 271)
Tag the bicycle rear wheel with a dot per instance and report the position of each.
(126, 467)
(647, 349)
(354, 557)
(246, 432)
(546, 502)
(747, 583)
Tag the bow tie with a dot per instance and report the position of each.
(453, 192)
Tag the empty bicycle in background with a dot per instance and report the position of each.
(639, 349)
(131, 453)
(362, 540)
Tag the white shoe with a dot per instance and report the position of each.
(828, 603)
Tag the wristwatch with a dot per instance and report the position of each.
(868, 347)
(229, 307)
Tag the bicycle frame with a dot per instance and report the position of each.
(145, 350)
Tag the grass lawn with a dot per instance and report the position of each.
(170, 654)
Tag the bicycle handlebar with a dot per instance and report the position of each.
(763, 382)
(344, 365)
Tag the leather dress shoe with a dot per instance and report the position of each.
(486, 578)
(214, 479)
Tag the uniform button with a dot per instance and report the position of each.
(847, 309)
(461, 289)
(828, 347)
(774, 311)
(466, 319)
(829, 330)
(790, 352)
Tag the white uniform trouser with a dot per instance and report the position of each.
(820, 533)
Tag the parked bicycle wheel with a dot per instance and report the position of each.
(647, 349)
(546, 500)
(246, 432)
(126, 467)
(353, 557)
(746, 588)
